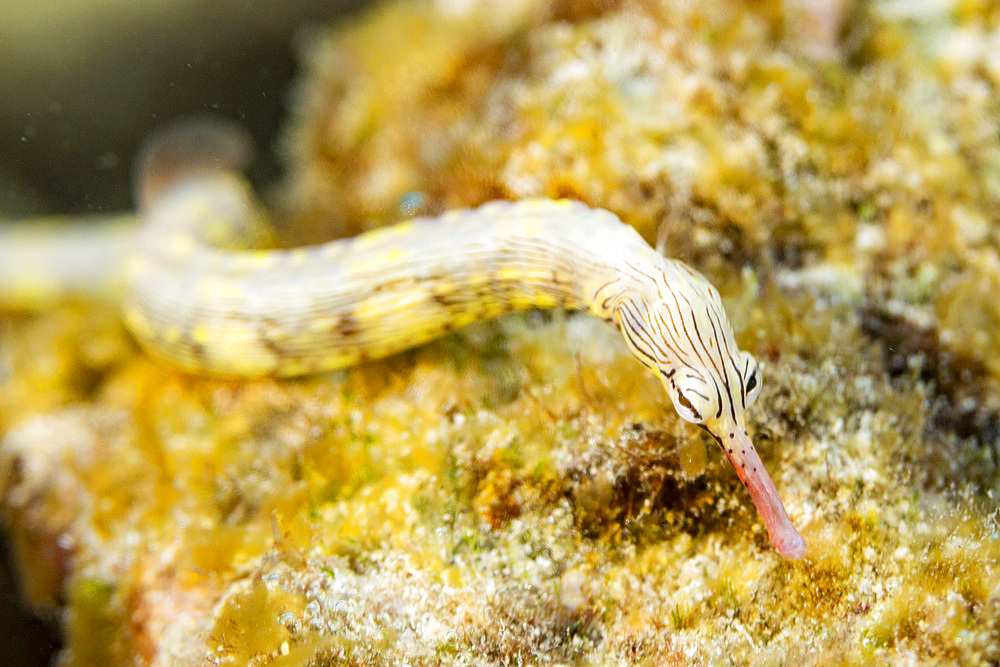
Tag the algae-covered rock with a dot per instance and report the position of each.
(520, 491)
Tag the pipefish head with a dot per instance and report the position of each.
(677, 327)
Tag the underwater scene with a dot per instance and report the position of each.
(501, 332)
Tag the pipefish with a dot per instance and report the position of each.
(196, 302)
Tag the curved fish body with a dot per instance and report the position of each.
(195, 301)
(316, 308)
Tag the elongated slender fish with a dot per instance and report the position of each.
(215, 309)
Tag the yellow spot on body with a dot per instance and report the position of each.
(520, 302)
(201, 335)
(534, 205)
(321, 323)
(172, 334)
(333, 248)
(463, 318)
(213, 287)
(235, 346)
(253, 260)
(371, 310)
(394, 255)
(181, 245)
(545, 300)
(511, 273)
(530, 227)
(136, 265)
(364, 265)
(299, 255)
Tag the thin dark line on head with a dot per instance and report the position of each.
(714, 316)
(696, 393)
(654, 340)
(722, 370)
(679, 351)
(634, 335)
(718, 373)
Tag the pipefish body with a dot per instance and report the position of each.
(252, 312)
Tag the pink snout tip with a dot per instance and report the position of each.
(789, 543)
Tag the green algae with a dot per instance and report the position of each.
(94, 628)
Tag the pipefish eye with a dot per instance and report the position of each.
(751, 377)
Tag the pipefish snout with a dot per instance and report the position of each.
(217, 310)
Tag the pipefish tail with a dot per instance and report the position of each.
(44, 262)
(194, 301)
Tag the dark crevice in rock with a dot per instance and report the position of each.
(957, 381)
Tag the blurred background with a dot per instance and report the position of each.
(84, 82)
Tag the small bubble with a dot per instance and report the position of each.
(290, 622)
(412, 203)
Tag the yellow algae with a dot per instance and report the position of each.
(270, 616)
